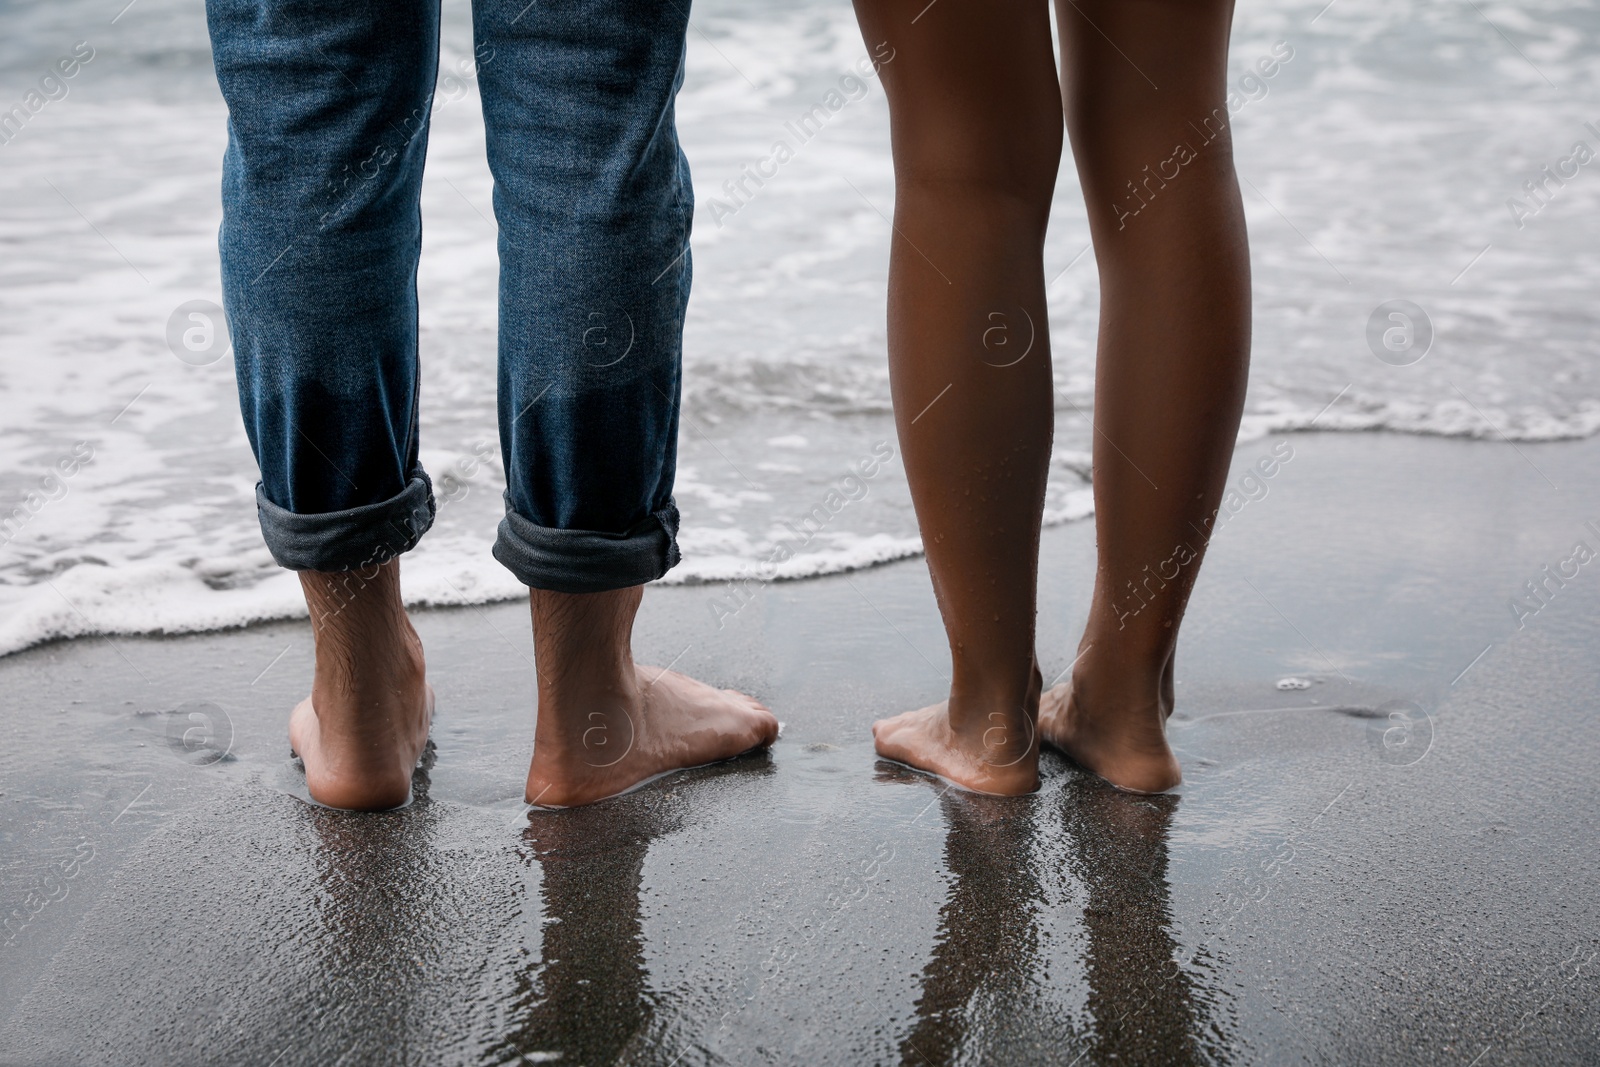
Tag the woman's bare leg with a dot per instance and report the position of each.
(1173, 355)
(976, 125)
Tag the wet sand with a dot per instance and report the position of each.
(1393, 863)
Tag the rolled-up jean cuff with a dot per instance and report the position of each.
(584, 561)
(349, 539)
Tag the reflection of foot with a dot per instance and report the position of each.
(605, 724)
(663, 722)
(1122, 737)
(996, 753)
(365, 724)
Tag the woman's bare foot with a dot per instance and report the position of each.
(365, 724)
(975, 109)
(1118, 732)
(995, 752)
(606, 724)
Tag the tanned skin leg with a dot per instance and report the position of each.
(975, 115)
(365, 724)
(607, 724)
(1173, 358)
(976, 127)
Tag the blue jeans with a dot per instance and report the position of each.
(328, 109)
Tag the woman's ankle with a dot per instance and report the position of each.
(995, 718)
(976, 694)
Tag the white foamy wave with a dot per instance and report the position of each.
(114, 595)
(174, 598)
(1448, 418)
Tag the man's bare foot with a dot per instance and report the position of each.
(994, 751)
(670, 722)
(365, 724)
(605, 724)
(1114, 732)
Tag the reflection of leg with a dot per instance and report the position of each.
(586, 998)
(976, 121)
(365, 974)
(976, 983)
(1168, 227)
(606, 724)
(1146, 1009)
(328, 111)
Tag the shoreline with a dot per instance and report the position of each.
(171, 599)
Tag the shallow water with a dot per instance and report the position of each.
(1378, 163)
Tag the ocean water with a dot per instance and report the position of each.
(1385, 161)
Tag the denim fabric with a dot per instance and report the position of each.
(353, 538)
(327, 132)
(636, 556)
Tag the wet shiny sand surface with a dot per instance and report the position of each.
(1397, 863)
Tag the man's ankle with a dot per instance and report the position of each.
(976, 695)
(583, 641)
